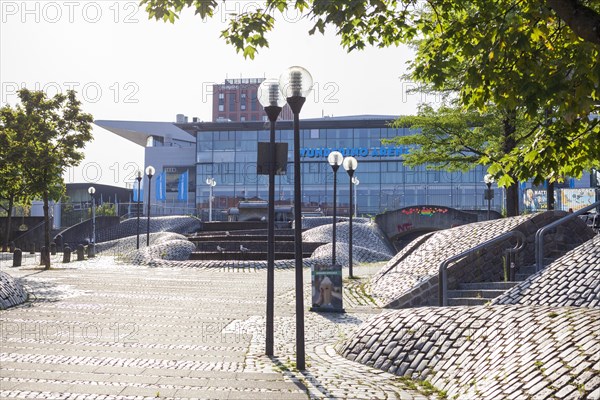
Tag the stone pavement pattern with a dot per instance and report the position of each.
(11, 291)
(410, 279)
(103, 330)
(488, 352)
(572, 280)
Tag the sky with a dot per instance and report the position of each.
(127, 67)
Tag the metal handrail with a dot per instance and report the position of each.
(539, 235)
(443, 274)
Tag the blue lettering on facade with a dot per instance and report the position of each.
(323, 152)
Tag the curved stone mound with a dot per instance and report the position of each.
(365, 235)
(572, 280)
(173, 250)
(126, 244)
(313, 222)
(11, 292)
(174, 224)
(493, 352)
(412, 281)
(322, 255)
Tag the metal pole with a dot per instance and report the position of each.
(355, 200)
(296, 103)
(210, 196)
(335, 168)
(138, 213)
(350, 228)
(489, 196)
(272, 113)
(93, 219)
(148, 225)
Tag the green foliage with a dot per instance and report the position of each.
(46, 135)
(536, 60)
(104, 209)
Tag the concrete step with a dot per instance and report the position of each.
(466, 301)
(476, 293)
(487, 286)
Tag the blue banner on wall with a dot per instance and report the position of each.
(182, 186)
(161, 186)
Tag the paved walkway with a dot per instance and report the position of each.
(101, 330)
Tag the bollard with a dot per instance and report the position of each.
(17, 257)
(80, 250)
(67, 254)
(44, 255)
(32, 251)
(59, 243)
(53, 248)
(91, 250)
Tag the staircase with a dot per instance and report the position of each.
(479, 293)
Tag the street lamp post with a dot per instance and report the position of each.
(335, 159)
(489, 195)
(295, 84)
(138, 177)
(211, 182)
(356, 182)
(271, 99)
(350, 164)
(150, 173)
(92, 191)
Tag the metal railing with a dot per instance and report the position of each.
(539, 235)
(443, 273)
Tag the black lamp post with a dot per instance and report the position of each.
(92, 191)
(489, 195)
(350, 165)
(211, 182)
(150, 173)
(271, 99)
(138, 178)
(356, 182)
(335, 159)
(295, 84)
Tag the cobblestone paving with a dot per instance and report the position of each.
(11, 291)
(417, 272)
(572, 280)
(369, 243)
(493, 352)
(98, 329)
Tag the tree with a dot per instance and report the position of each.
(51, 133)
(527, 57)
(13, 189)
(452, 139)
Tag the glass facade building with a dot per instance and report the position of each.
(227, 152)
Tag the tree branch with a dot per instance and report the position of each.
(584, 21)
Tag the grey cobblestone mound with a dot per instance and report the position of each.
(491, 352)
(360, 254)
(313, 222)
(174, 224)
(412, 281)
(169, 247)
(369, 244)
(572, 280)
(11, 291)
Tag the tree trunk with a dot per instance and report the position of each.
(512, 192)
(550, 195)
(46, 255)
(512, 200)
(583, 20)
(11, 203)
